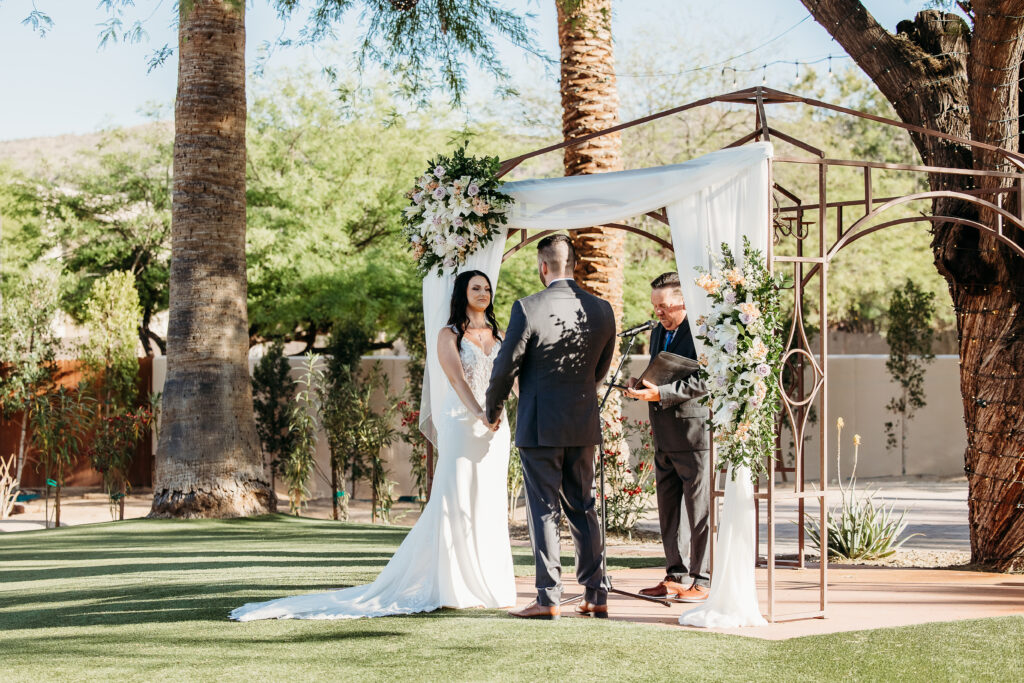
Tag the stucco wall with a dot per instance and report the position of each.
(859, 388)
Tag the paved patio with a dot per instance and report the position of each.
(860, 597)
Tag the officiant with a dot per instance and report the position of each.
(681, 460)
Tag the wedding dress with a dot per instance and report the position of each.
(458, 554)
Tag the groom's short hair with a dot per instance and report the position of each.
(557, 251)
(668, 280)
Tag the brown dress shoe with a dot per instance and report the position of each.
(591, 610)
(674, 589)
(658, 591)
(537, 611)
(694, 593)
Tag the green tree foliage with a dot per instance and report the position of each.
(303, 424)
(325, 195)
(273, 394)
(111, 374)
(343, 413)
(111, 211)
(358, 414)
(112, 315)
(422, 44)
(60, 420)
(28, 345)
(910, 336)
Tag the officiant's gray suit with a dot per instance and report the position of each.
(681, 464)
(559, 343)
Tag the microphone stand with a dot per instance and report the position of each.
(604, 509)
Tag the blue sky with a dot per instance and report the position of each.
(65, 83)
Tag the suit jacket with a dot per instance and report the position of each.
(678, 421)
(559, 343)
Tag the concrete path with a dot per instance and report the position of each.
(935, 508)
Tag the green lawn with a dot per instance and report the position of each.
(148, 599)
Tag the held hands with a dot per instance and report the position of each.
(493, 426)
(649, 393)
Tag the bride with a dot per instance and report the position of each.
(458, 554)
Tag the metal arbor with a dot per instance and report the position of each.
(807, 254)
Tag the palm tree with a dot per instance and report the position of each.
(208, 455)
(208, 460)
(590, 103)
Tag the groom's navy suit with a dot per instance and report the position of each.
(559, 343)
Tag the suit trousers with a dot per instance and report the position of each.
(683, 483)
(557, 479)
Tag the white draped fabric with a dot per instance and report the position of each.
(733, 598)
(719, 197)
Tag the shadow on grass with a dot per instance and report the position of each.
(165, 571)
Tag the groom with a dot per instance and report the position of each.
(559, 344)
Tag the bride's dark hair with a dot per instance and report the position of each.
(458, 318)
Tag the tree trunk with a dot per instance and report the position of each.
(590, 103)
(334, 492)
(936, 74)
(21, 446)
(120, 502)
(208, 455)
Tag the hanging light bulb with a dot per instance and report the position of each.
(764, 74)
(830, 74)
(796, 73)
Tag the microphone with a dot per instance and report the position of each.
(637, 329)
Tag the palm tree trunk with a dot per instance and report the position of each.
(208, 455)
(590, 103)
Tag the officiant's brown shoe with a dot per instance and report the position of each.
(537, 611)
(589, 609)
(658, 591)
(695, 593)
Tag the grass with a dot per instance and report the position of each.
(147, 599)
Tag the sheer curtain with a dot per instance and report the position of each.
(719, 197)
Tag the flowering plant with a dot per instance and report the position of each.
(742, 356)
(455, 207)
(629, 472)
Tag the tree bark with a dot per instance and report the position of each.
(590, 103)
(208, 455)
(22, 432)
(334, 492)
(939, 74)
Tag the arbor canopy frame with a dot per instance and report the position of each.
(808, 375)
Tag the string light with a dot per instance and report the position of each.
(969, 471)
(1019, 506)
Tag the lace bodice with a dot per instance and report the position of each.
(476, 366)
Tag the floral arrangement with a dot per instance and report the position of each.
(455, 207)
(629, 472)
(742, 356)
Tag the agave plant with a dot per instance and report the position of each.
(859, 528)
